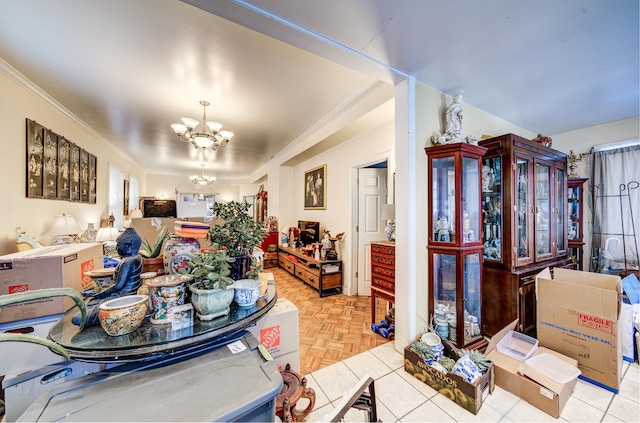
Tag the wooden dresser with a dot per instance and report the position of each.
(323, 275)
(383, 274)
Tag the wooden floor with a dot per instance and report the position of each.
(332, 328)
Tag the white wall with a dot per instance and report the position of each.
(35, 216)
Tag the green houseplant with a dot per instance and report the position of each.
(212, 288)
(240, 233)
(152, 260)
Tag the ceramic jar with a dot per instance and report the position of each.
(246, 292)
(167, 292)
(122, 315)
(177, 253)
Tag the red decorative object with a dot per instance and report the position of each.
(546, 141)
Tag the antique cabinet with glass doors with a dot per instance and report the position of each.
(524, 226)
(455, 243)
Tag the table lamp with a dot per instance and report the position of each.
(64, 229)
(389, 214)
(108, 238)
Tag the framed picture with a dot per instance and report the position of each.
(64, 151)
(50, 164)
(35, 160)
(315, 188)
(84, 176)
(93, 178)
(74, 166)
(125, 201)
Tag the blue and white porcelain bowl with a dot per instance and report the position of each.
(246, 292)
(434, 341)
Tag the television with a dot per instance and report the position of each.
(309, 232)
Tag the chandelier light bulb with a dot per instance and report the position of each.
(202, 180)
(205, 134)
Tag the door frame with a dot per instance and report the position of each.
(352, 286)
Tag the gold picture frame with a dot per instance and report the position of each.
(315, 188)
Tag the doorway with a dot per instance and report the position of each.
(371, 196)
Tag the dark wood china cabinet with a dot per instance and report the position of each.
(455, 245)
(575, 228)
(524, 226)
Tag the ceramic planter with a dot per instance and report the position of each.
(211, 303)
(177, 253)
(247, 291)
(167, 292)
(123, 315)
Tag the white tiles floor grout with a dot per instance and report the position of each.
(402, 398)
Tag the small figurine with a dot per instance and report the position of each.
(453, 117)
(442, 229)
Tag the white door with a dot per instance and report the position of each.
(372, 194)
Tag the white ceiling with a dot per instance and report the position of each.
(277, 70)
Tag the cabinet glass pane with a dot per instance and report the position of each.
(574, 213)
(470, 199)
(444, 280)
(543, 212)
(492, 208)
(443, 199)
(561, 240)
(522, 195)
(472, 297)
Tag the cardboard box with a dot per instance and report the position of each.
(543, 392)
(278, 331)
(578, 316)
(55, 266)
(467, 395)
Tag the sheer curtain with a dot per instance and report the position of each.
(615, 201)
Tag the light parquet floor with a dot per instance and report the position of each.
(332, 328)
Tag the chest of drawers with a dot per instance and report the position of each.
(383, 274)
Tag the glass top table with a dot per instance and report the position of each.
(152, 341)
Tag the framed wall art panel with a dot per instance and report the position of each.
(74, 165)
(64, 151)
(84, 176)
(50, 164)
(35, 159)
(93, 172)
(315, 188)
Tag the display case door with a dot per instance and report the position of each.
(472, 300)
(492, 208)
(470, 200)
(560, 211)
(543, 212)
(443, 200)
(523, 211)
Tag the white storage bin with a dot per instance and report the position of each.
(518, 345)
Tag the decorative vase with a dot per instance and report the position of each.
(167, 292)
(240, 267)
(177, 253)
(211, 303)
(122, 315)
(246, 292)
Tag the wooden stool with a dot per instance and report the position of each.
(293, 389)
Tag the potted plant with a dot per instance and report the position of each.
(239, 233)
(211, 288)
(152, 261)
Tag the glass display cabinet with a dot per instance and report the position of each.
(455, 247)
(524, 226)
(575, 215)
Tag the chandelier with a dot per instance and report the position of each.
(202, 134)
(201, 180)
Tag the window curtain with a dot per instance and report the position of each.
(615, 202)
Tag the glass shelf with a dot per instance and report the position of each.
(151, 341)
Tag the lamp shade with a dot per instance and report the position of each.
(65, 225)
(107, 234)
(388, 212)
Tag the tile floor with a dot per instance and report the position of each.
(402, 398)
